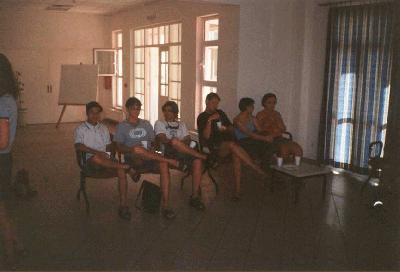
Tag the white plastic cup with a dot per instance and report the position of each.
(279, 161)
(219, 124)
(192, 144)
(144, 144)
(297, 160)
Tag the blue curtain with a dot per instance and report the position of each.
(357, 84)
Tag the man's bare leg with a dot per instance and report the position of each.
(196, 175)
(237, 175)
(152, 156)
(105, 161)
(164, 183)
(183, 148)
(122, 188)
(239, 152)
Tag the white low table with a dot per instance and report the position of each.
(299, 174)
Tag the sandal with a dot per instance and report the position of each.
(124, 213)
(168, 213)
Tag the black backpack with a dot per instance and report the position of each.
(151, 197)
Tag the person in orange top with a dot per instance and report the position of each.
(272, 124)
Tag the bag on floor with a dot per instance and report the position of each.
(151, 197)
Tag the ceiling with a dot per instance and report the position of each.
(83, 6)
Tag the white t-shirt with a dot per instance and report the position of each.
(96, 137)
(171, 129)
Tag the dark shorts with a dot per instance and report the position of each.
(94, 169)
(257, 148)
(5, 174)
(172, 153)
(142, 165)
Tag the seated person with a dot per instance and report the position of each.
(247, 133)
(272, 124)
(134, 138)
(216, 133)
(175, 137)
(93, 138)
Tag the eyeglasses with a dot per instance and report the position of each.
(135, 108)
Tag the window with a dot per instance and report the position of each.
(157, 66)
(118, 78)
(209, 64)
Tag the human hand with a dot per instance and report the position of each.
(269, 138)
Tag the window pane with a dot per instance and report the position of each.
(164, 56)
(180, 33)
(139, 86)
(162, 34)
(139, 70)
(139, 37)
(174, 90)
(119, 92)
(119, 62)
(175, 54)
(164, 90)
(166, 34)
(175, 72)
(164, 74)
(174, 33)
(155, 35)
(210, 63)
(149, 36)
(211, 30)
(205, 91)
(119, 39)
(139, 54)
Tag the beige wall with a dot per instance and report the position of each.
(187, 13)
(282, 48)
(37, 43)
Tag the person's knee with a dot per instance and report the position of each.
(174, 141)
(163, 167)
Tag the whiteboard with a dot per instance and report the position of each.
(78, 84)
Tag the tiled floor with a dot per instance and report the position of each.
(264, 231)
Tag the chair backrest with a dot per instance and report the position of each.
(375, 149)
(80, 158)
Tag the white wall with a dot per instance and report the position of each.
(37, 43)
(282, 48)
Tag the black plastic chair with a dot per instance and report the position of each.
(86, 173)
(375, 162)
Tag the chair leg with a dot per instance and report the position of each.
(83, 190)
(365, 184)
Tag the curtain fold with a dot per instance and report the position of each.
(357, 84)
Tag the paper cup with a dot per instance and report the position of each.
(219, 124)
(144, 144)
(192, 144)
(297, 160)
(279, 161)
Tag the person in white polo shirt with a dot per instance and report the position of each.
(175, 138)
(93, 138)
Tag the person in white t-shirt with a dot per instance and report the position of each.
(175, 138)
(93, 138)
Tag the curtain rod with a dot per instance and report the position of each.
(353, 3)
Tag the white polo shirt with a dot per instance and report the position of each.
(96, 137)
(171, 129)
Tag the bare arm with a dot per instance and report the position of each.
(84, 148)
(207, 129)
(4, 133)
(162, 138)
(249, 133)
(123, 148)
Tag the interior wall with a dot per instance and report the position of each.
(282, 49)
(187, 13)
(37, 43)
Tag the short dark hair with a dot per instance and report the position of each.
(266, 97)
(245, 102)
(211, 96)
(172, 104)
(93, 104)
(132, 101)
